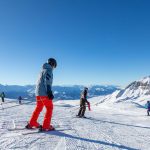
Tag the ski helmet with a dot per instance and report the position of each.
(52, 62)
(86, 88)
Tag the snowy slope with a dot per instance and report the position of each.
(110, 127)
(136, 89)
(138, 92)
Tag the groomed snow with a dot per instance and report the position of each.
(111, 126)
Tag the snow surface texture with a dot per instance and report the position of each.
(117, 122)
(115, 126)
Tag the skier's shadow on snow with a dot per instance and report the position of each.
(61, 134)
(117, 123)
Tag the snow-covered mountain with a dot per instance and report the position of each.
(136, 89)
(137, 92)
(60, 92)
(14, 91)
(73, 92)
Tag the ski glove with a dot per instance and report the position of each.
(49, 92)
(50, 95)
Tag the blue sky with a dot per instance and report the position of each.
(94, 41)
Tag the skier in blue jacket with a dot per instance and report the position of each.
(148, 107)
(44, 97)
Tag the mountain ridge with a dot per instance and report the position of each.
(60, 92)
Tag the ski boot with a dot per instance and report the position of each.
(78, 116)
(83, 117)
(51, 128)
(28, 126)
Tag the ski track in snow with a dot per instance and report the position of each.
(106, 129)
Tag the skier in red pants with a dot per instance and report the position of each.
(44, 97)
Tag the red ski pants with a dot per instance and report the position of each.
(42, 101)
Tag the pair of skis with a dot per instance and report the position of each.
(35, 130)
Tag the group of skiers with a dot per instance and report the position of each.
(44, 98)
(2, 95)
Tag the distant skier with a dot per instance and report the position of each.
(148, 107)
(44, 97)
(3, 96)
(20, 100)
(83, 102)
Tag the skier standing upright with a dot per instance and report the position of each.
(3, 96)
(148, 107)
(83, 102)
(20, 100)
(44, 97)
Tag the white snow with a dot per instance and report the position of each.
(113, 125)
(145, 80)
